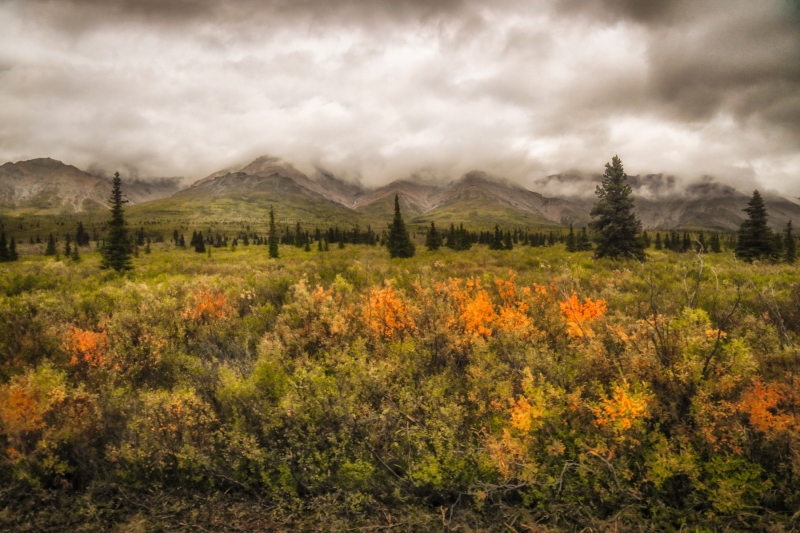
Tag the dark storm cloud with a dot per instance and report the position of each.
(383, 89)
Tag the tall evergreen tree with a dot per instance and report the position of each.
(659, 245)
(81, 236)
(433, 240)
(12, 250)
(399, 244)
(273, 235)
(117, 249)
(571, 243)
(3, 248)
(755, 237)
(789, 245)
(615, 220)
(497, 239)
(51, 246)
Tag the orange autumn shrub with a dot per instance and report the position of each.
(87, 347)
(621, 410)
(41, 417)
(578, 316)
(764, 406)
(532, 423)
(314, 318)
(207, 305)
(386, 314)
(513, 314)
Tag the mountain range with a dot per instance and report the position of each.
(46, 186)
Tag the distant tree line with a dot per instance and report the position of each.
(616, 233)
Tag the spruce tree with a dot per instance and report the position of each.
(755, 237)
(68, 247)
(399, 244)
(571, 243)
(51, 246)
(117, 249)
(433, 240)
(3, 248)
(615, 220)
(273, 235)
(508, 244)
(12, 250)
(497, 239)
(659, 246)
(789, 245)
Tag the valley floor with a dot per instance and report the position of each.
(522, 390)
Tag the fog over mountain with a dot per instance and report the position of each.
(540, 92)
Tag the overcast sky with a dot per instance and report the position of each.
(381, 89)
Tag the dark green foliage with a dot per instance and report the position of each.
(399, 243)
(198, 242)
(458, 238)
(716, 245)
(497, 239)
(3, 248)
(571, 242)
(68, 246)
(116, 253)
(583, 243)
(12, 250)
(755, 238)
(433, 240)
(508, 244)
(615, 220)
(659, 245)
(273, 235)
(790, 245)
(81, 236)
(51, 246)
